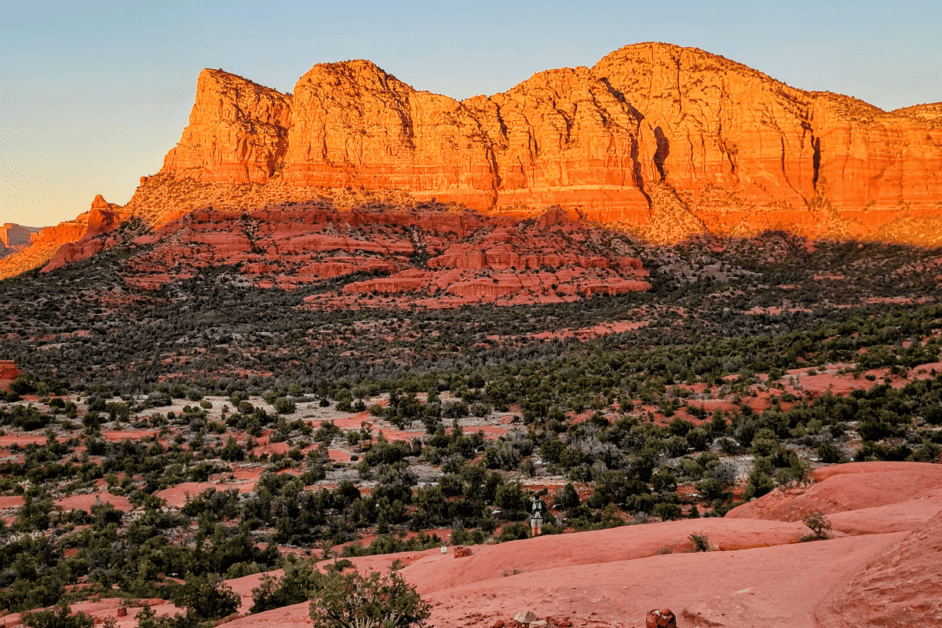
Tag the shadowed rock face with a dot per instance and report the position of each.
(419, 258)
(15, 236)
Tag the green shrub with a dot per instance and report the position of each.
(701, 542)
(667, 511)
(829, 454)
(205, 597)
(513, 532)
(58, 618)
(283, 405)
(819, 524)
(349, 600)
(298, 584)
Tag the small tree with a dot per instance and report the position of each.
(349, 600)
(283, 405)
(820, 526)
(298, 584)
(205, 597)
(701, 542)
(232, 452)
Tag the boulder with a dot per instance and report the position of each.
(8, 370)
(660, 618)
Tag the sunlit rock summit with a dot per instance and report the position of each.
(666, 142)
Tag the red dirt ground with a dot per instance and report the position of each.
(881, 569)
(178, 495)
(85, 502)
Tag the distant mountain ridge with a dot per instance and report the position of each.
(666, 142)
(15, 238)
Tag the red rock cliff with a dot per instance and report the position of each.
(15, 236)
(669, 140)
(665, 140)
(560, 138)
(47, 243)
(237, 131)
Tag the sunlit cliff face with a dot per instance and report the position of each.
(667, 142)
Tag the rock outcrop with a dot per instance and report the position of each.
(59, 242)
(900, 587)
(560, 138)
(15, 237)
(663, 141)
(8, 370)
(102, 218)
(660, 618)
(237, 131)
(382, 257)
(672, 141)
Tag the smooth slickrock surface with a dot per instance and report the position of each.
(898, 588)
(756, 574)
(849, 487)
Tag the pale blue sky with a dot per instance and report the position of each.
(93, 94)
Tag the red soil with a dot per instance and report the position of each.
(86, 502)
(338, 456)
(23, 441)
(885, 575)
(178, 495)
(588, 333)
(120, 435)
(10, 501)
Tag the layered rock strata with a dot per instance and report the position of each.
(739, 151)
(419, 258)
(237, 132)
(14, 237)
(666, 142)
(48, 243)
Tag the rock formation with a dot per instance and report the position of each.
(424, 258)
(900, 587)
(15, 236)
(100, 219)
(650, 127)
(666, 142)
(660, 618)
(8, 370)
(237, 131)
(46, 244)
(559, 138)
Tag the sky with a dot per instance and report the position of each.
(93, 94)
